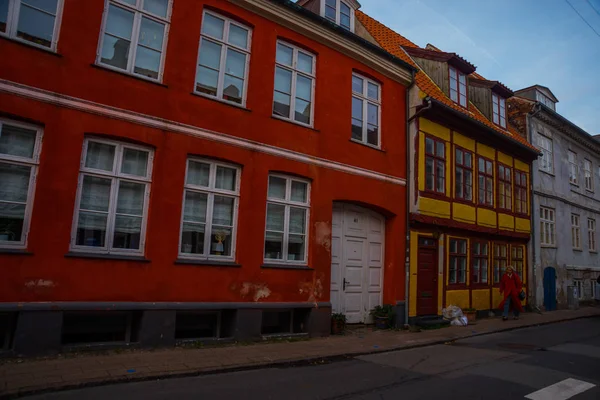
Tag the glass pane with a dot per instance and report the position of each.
(194, 207)
(131, 198)
(357, 108)
(276, 187)
(372, 114)
(345, 21)
(357, 84)
(100, 156)
(223, 211)
(35, 26)
(281, 104)
(207, 80)
(373, 135)
(299, 191)
(152, 34)
(283, 80)
(274, 246)
(233, 89)
(429, 146)
(439, 171)
(225, 178)
(305, 63)
(484, 271)
(303, 87)
(135, 162)
(12, 217)
(344, 8)
(296, 248)
(115, 51)
(198, 173)
(47, 5)
(221, 239)
(16, 141)
(440, 149)
(210, 54)
(330, 12)
(95, 194)
(357, 129)
(3, 14)
(119, 22)
(14, 182)
(275, 217)
(192, 239)
(372, 91)
(235, 64)
(297, 220)
(213, 26)
(284, 55)
(467, 160)
(459, 157)
(488, 167)
(302, 111)
(147, 62)
(91, 229)
(429, 173)
(238, 36)
(157, 7)
(128, 231)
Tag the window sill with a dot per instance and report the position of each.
(100, 256)
(578, 250)
(462, 201)
(31, 45)
(434, 195)
(227, 103)
(548, 246)
(287, 266)
(548, 173)
(487, 207)
(594, 251)
(290, 121)
(457, 286)
(129, 74)
(574, 184)
(367, 145)
(21, 252)
(208, 263)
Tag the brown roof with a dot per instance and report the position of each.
(438, 55)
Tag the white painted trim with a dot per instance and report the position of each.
(173, 126)
(364, 97)
(12, 22)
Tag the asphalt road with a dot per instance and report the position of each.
(551, 362)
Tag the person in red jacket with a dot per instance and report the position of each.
(511, 286)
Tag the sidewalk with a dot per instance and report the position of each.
(18, 377)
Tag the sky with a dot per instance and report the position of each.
(518, 42)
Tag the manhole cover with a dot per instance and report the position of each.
(517, 346)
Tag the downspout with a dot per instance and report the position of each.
(533, 243)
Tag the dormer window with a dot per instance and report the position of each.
(545, 100)
(339, 12)
(499, 110)
(458, 87)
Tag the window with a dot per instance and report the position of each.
(19, 157)
(573, 168)
(210, 203)
(288, 202)
(458, 87)
(223, 59)
(435, 165)
(486, 182)
(134, 36)
(592, 234)
(547, 227)
(464, 175)
(579, 287)
(521, 192)
(458, 261)
(33, 21)
(480, 262)
(504, 187)
(500, 260)
(547, 157)
(588, 176)
(112, 198)
(294, 84)
(499, 110)
(575, 232)
(366, 110)
(545, 100)
(517, 258)
(339, 12)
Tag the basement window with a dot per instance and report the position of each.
(99, 327)
(7, 327)
(197, 325)
(281, 322)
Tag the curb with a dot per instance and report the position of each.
(277, 364)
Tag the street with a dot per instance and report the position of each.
(526, 363)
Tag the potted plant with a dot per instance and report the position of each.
(338, 323)
(470, 313)
(383, 316)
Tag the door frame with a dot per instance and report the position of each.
(436, 271)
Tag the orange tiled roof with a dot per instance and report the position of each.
(393, 42)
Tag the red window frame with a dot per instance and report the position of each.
(521, 192)
(461, 189)
(499, 110)
(457, 261)
(485, 182)
(499, 262)
(480, 262)
(439, 182)
(518, 260)
(504, 187)
(458, 89)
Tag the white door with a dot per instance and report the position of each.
(356, 261)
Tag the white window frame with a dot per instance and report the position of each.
(286, 223)
(116, 177)
(364, 97)
(592, 235)
(295, 72)
(12, 23)
(225, 45)
(338, 11)
(138, 11)
(545, 100)
(498, 104)
(588, 175)
(573, 167)
(458, 85)
(546, 161)
(549, 225)
(578, 283)
(211, 191)
(32, 162)
(575, 232)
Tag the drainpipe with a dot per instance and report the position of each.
(529, 117)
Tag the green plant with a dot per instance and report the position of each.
(384, 311)
(338, 317)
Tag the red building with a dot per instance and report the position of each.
(175, 169)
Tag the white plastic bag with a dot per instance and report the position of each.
(452, 312)
(460, 321)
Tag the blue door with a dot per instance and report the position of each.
(550, 288)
